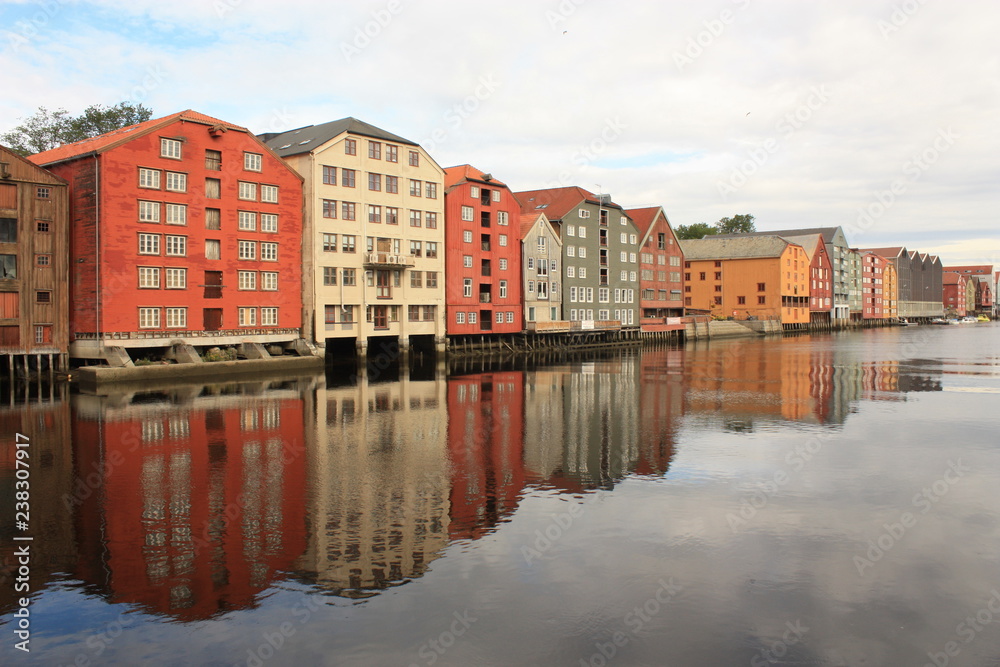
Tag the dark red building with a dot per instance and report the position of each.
(661, 284)
(183, 228)
(983, 275)
(482, 254)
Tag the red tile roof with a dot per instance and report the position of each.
(111, 139)
(644, 217)
(975, 269)
(554, 202)
(952, 278)
(455, 175)
(888, 253)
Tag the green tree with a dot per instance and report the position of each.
(48, 129)
(738, 224)
(696, 231)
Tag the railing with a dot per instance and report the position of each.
(181, 333)
(389, 259)
(485, 297)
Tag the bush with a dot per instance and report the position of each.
(218, 354)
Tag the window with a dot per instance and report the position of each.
(41, 226)
(269, 317)
(499, 317)
(45, 193)
(374, 213)
(467, 287)
(414, 159)
(170, 148)
(432, 249)
(581, 232)
(415, 188)
(268, 222)
(392, 184)
(347, 210)
(269, 194)
(329, 243)
(213, 188)
(502, 218)
(431, 220)
(459, 317)
(176, 278)
(416, 248)
(741, 301)
(350, 147)
(248, 317)
(252, 161)
(43, 333)
(432, 278)
(247, 191)
(760, 287)
(581, 252)
(269, 252)
(44, 296)
(213, 249)
(349, 277)
(247, 280)
(330, 209)
(415, 218)
(149, 211)
(213, 218)
(148, 178)
(624, 237)
(375, 182)
(503, 263)
(176, 246)
(176, 318)
(248, 221)
(503, 240)
(541, 244)
(247, 250)
(348, 243)
(177, 182)
(391, 153)
(375, 150)
(149, 318)
(761, 300)
(584, 213)
(149, 244)
(571, 272)
(329, 175)
(603, 294)
(269, 280)
(347, 178)
(503, 289)
(149, 277)
(467, 261)
(582, 273)
(391, 215)
(213, 160)
(631, 237)
(473, 318)
(571, 251)
(432, 190)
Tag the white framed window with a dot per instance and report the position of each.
(503, 289)
(510, 317)
(474, 191)
(582, 273)
(176, 278)
(269, 252)
(541, 244)
(149, 211)
(503, 240)
(247, 250)
(269, 281)
(623, 276)
(252, 161)
(177, 182)
(269, 222)
(170, 148)
(248, 221)
(459, 318)
(623, 220)
(176, 246)
(177, 214)
(631, 239)
(571, 272)
(631, 257)
(624, 237)
(247, 191)
(584, 213)
(503, 263)
(467, 213)
(623, 256)
(572, 293)
(571, 251)
(473, 318)
(570, 230)
(269, 316)
(177, 318)
(269, 194)
(247, 280)
(499, 317)
(248, 317)
(467, 236)
(149, 318)
(531, 264)
(149, 277)
(590, 297)
(581, 252)
(467, 287)
(149, 244)
(149, 178)
(603, 295)
(618, 295)
(502, 218)
(467, 261)
(496, 195)
(531, 287)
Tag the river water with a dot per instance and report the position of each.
(809, 500)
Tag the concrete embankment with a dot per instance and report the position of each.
(220, 370)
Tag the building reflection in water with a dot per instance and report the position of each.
(201, 503)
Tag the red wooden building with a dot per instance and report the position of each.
(661, 285)
(482, 254)
(183, 228)
(872, 283)
(820, 275)
(983, 275)
(954, 290)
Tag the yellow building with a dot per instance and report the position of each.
(764, 277)
(373, 236)
(890, 291)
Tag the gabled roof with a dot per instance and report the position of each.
(21, 168)
(557, 202)
(529, 220)
(889, 252)
(952, 278)
(809, 242)
(826, 232)
(645, 217)
(745, 247)
(309, 138)
(115, 138)
(466, 172)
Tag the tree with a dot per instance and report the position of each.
(738, 224)
(48, 129)
(696, 231)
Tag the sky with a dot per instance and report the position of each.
(878, 116)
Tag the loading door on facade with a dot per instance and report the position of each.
(212, 319)
(213, 285)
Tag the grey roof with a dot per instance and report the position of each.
(826, 232)
(310, 137)
(741, 247)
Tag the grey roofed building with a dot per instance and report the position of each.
(304, 139)
(737, 247)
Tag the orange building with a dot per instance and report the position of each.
(765, 277)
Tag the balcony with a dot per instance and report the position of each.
(388, 260)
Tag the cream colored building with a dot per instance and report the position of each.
(373, 239)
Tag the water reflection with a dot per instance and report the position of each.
(191, 501)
